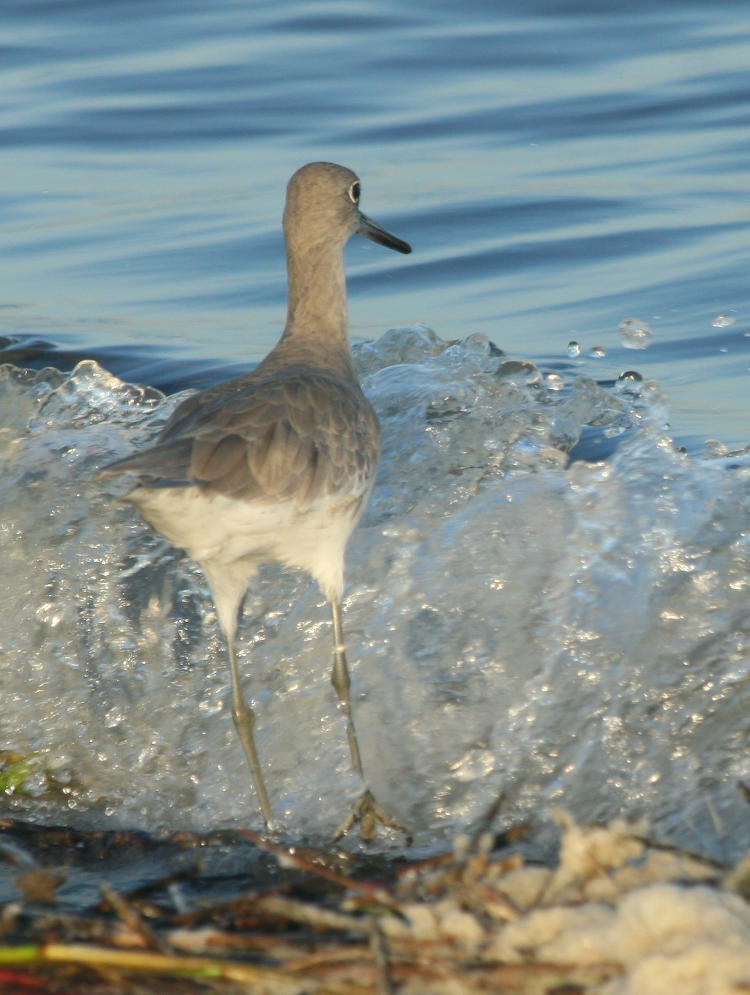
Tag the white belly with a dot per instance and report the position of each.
(215, 529)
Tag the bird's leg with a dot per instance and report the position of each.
(341, 684)
(228, 583)
(244, 721)
(366, 811)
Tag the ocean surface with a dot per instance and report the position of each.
(548, 594)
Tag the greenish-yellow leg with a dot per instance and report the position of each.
(366, 810)
(244, 721)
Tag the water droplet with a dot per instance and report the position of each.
(723, 320)
(518, 372)
(629, 382)
(554, 382)
(574, 349)
(598, 352)
(635, 334)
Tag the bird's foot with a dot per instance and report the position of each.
(369, 814)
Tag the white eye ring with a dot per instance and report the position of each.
(354, 192)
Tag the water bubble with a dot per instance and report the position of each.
(635, 334)
(574, 349)
(723, 320)
(597, 352)
(629, 382)
(518, 372)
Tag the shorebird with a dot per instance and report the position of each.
(278, 465)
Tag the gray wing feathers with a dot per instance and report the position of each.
(297, 437)
(164, 465)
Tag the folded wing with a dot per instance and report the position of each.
(299, 436)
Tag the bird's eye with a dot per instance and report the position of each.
(354, 192)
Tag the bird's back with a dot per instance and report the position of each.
(269, 467)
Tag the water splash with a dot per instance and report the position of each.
(635, 334)
(569, 633)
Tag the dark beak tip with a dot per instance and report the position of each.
(370, 229)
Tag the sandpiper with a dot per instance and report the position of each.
(278, 465)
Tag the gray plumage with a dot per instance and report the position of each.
(299, 434)
(278, 465)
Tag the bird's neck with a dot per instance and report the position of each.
(317, 297)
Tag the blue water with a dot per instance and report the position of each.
(568, 634)
(558, 168)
